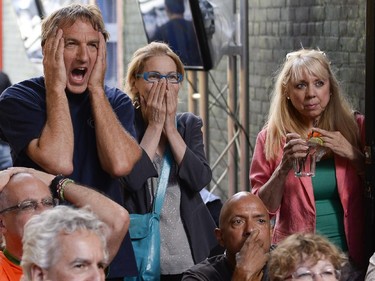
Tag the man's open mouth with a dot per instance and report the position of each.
(78, 74)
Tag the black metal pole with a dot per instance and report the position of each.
(40, 8)
(370, 130)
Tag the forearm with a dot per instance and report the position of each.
(53, 150)
(358, 161)
(194, 171)
(118, 151)
(272, 191)
(151, 139)
(107, 210)
(176, 143)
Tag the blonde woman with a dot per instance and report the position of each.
(154, 78)
(307, 98)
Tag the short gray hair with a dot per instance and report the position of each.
(41, 231)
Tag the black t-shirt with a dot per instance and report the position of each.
(216, 268)
(213, 269)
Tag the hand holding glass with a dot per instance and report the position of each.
(305, 166)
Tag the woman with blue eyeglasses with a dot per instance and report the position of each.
(153, 80)
(306, 257)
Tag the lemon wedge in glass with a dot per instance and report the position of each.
(316, 141)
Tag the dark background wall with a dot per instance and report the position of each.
(278, 27)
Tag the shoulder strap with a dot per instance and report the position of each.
(163, 180)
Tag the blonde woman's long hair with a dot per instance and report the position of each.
(284, 118)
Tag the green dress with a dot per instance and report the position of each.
(329, 211)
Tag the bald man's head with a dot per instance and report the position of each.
(19, 181)
(236, 199)
(21, 198)
(241, 216)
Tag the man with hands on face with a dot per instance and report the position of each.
(245, 233)
(68, 122)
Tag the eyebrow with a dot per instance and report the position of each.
(71, 39)
(36, 199)
(327, 263)
(257, 215)
(80, 260)
(260, 216)
(314, 77)
(156, 71)
(324, 265)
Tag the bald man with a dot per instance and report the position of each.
(245, 232)
(25, 192)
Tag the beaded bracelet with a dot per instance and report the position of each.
(53, 186)
(58, 185)
(61, 186)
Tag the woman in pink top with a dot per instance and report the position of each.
(307, 99)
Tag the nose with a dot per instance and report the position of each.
(310, 92)
(82, 53)
(317, 277)
(41, 208)
(164, 78)
(94, 274)
(249, 230)
(98, 274)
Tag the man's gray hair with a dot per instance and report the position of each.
(41, 232)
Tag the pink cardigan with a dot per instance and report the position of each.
(297, 210)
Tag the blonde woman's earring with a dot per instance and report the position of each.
(136, 103)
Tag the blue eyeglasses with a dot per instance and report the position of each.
(153, 76)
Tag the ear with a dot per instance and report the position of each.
(37, 273)
(219, 237)
(271, 231)
(272, 226)
(2, 226)
(133, 87)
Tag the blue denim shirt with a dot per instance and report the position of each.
(5, 157)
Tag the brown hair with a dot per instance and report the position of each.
(68, 15)
(297, 248)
